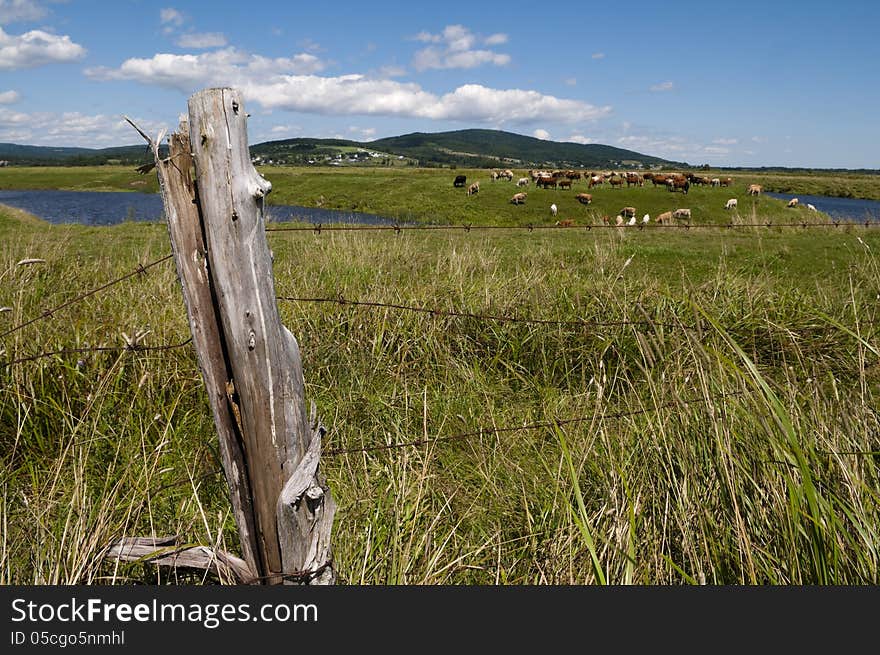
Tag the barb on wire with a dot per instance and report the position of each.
(340, 300)
(140, 270)
(96, 349)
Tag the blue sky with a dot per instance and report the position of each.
(725, 83)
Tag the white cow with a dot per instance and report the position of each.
(811, 208)
(523, 181)
(553, 209)
(731, 204)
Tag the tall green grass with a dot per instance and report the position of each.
(732, 438)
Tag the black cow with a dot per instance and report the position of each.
(460, 180)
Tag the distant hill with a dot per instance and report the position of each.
(21, 155)
(466, 148)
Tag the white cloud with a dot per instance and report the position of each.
(286, 84)
(170, 16)
(663, 86)
(579, 138)
(724, 142)
(365, 133)
(598, 55)
(201, 40)
(392, 71)
(673, 147)
(456, 49)
(36, 48)
(71, 129)
(13, 11)
(541, 134)
(496, 39)
(227, 67)
(9, 97)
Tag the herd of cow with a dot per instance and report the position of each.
(564, 179)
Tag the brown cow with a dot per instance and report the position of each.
(473, 188)
(616, 181)
(755, 189)
(519, 198)
(665, 217)
(584, 198)
(568, 222)
(629, 212)
(564, 183)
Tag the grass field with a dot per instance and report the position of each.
(428, 196)
(732, 437)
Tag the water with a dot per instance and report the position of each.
(112, 207)
(845, 209)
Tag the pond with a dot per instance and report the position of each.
(845, 209)
(112, 207)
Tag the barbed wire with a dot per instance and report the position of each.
(467, 227)
(96, 349)
(140, 270)
(340, 300)
(529, 426)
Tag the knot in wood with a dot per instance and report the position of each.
(252, 340)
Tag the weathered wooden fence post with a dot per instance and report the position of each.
(214, 203)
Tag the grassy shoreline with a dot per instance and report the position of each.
(719, 455)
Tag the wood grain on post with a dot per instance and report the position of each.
(292, 507)
(214, 202)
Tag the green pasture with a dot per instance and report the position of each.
(720, 428)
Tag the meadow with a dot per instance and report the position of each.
(669, 406)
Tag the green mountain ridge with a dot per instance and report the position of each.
(474, 148)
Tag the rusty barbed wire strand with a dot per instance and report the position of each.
(483, 317)
(140, 270)
(397, 228)
(96, 349)
(529, 426)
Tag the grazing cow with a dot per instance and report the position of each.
(731, 204)
(523, 181)
(811, 208)
(494, 175)
(595, 180)
(727, 181)
(793, 202)
(632, 221)
(584, 198)
(629, 212)
(553, 209)
(665, 217)
(564, 183)
(545, 182)
(675, 183)
(682, 213)
(755, 189)
(716, 181)
(617, 181)
(519, 198)
(619, 220)
(646, 219)
(568, 222)
(460, 180)
(573, 175)
(506, 174)
(659, 180)
(634, 178)
(473, 188)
